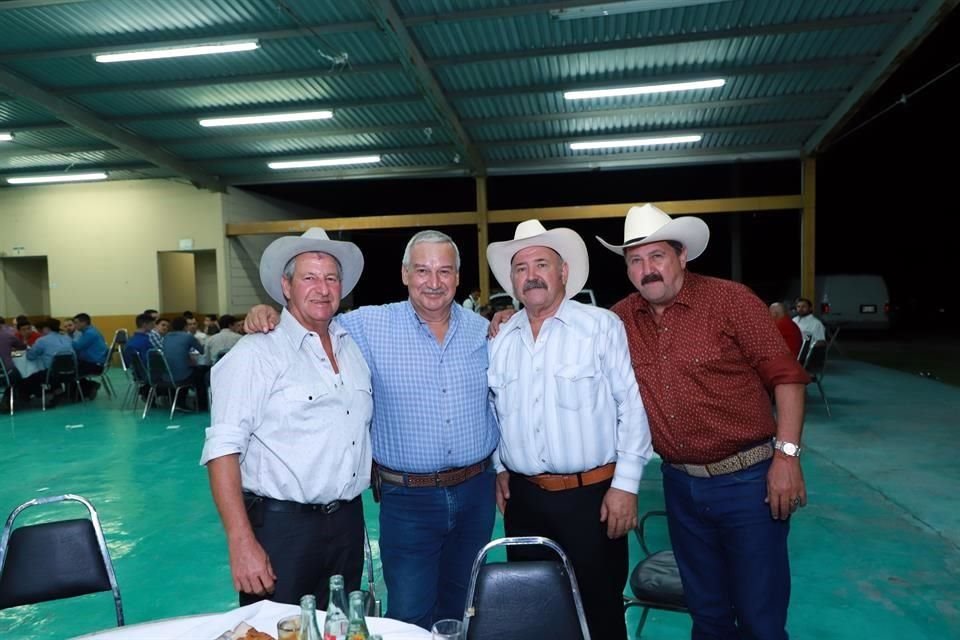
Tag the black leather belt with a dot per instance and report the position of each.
(287, 506)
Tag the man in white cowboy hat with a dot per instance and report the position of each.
(433, 431)
(573, 432)
(707, 357)
(288, 449)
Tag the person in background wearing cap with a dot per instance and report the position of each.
(707, 358)
(433, 431)
(573, 431)
(288, 449)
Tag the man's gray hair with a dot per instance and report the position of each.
(430, 235)
(291, 265)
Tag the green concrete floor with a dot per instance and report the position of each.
(876, 553)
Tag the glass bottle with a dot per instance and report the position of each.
(335, 625)
(357, 628)
(309, 630)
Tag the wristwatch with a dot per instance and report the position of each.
(787, 448)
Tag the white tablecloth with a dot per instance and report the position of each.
(27, 367)
(262, 615)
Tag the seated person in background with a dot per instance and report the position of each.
(91, 351)
(7, 328)
(139, 343)
(48, 345)
(788, 328)
(229, 335)
(210, 326)
(28, 333)
(192, 329)
(177, 345)
(809, 325)
(68, 329)
(8, 342)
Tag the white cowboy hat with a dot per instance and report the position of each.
(648, 224)
(280, 251)
(531, 233)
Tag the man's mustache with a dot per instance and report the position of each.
(534, 284)
(651, 277)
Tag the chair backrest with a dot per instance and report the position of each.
(503, 597)
(804, 349)
(120, 339)
(4, 376)
(63, 367)
(157, 367)
(55, 560)
(816, 360)
(137, 367)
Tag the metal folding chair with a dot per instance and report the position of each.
(63, 370)
(161, 379)
(655, 581)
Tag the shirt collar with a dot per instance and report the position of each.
(296, 333)
(562, 315)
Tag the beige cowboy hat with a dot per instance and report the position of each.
(280, 251)
(531, 233)
(648, 224)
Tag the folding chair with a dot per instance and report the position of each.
(104, 369)
(503, 598)
(804, 349)
(63, 370)
(55, 560)
(158, 372)
(137, 379)
(372, 603)
(120, 339)
(655, 581)
(815, 364)
(6, 385)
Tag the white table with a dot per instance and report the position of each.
(262, 615)
(26, 367)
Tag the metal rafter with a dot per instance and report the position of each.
(91, 123)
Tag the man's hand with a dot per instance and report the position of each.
(498, 319)
(619, 511)
(250, 567)
(503, 490)
(261, 319)
(786, 490)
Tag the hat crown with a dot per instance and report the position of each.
(528, 229)
(316, 233)
(643, 221)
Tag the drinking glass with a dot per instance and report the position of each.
(447, 630)
(288, 628)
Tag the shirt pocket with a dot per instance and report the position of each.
(304, 395)
(362, 401)
(577, 386)
(506, 391)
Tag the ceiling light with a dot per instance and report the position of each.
(644, 88)
(615, 8)
(59, 177)
(6, 136)
(324, 162)
(266, 118)
(178, 52)
(635, 142)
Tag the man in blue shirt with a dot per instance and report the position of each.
(91, 351)
(433, 431)
(48, 345)
(178, 345)
(139, 343)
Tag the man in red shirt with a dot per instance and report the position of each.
(707, 358)
(787, 327)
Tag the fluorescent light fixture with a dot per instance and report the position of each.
(62, 177)
(265, 118)
(6, 136)
(178, 52)
(644, 89)
(616, 8)
(324, 162)
(635, 142)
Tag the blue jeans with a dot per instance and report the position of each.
(429, 539)
(731, 553)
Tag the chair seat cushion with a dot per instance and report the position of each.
(656, 580)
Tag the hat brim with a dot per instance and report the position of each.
(692, 233)
(281, 250)
(566, 242)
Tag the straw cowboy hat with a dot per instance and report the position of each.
(279, 252)
(648, 224)
(531, 233)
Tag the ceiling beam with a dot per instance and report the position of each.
(300, 134)
(10, 5)
(423, 171)
(412, 59)
(924, 21)
(95, 126)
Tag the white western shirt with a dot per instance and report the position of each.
(302, 431)
(811, 327)
(568, 402)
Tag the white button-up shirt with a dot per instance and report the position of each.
(569, 401)
(302, 431)
(811, 327)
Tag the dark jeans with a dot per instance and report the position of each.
(731, 553)
(85, 368)
(305, 549)
(571, 518)
(429, 538)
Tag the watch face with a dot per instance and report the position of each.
(789, 448)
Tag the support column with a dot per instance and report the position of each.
(808, 228)
(483, 238)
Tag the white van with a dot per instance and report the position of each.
(854, 301)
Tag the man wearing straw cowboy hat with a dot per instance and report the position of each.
(707, 358)
(574, 435)
(288, 449)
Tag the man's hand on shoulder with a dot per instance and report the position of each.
(498, 319)
(261, 319)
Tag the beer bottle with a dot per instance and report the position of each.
(335, 626)
(357, 628)
(308, 618)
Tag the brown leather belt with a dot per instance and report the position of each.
(562, 482)
(445, 478)
(736, 462)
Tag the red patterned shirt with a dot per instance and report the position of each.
(707, 370)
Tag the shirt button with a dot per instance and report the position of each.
(444, 390)
(309, 397)
(348, 411)
(354, 443)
